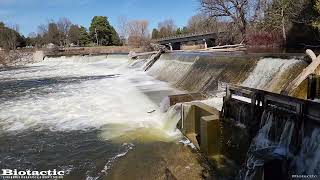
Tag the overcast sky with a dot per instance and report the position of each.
(28, 14)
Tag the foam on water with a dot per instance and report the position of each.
(105, 93)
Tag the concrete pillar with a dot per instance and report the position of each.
(170, 46)
(188, 118)
(205, 44)
(210, 135)
(192, 115)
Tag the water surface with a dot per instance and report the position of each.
(82, 115)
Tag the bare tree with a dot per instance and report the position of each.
(64, 25)
(9, 37)
(13, 36)
(239, 11)
(202, 23)
(53, 35)
(167, 28)
(123, 26)
(74, 34)
(42, 29)
(256, 10)
(138, 33)
(281, 13)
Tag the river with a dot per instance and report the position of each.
(93, 117)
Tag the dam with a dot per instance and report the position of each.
(108, 117)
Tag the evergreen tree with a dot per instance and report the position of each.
(115, 39)
(84, 38)
(155, 34)
(184, 30)
(179, 31)
(102, 33)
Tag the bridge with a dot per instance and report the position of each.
(208, 39)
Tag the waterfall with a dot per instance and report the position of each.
(268, 73)
(203, 73)
(170, 70)
(307, 162)
(265, 147)
(172, 117)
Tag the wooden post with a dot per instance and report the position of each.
(302, 76)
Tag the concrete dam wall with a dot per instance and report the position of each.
(258, 132)
(206, 72)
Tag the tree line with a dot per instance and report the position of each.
(286, 23)
(62, 33)
(199, 23)
(10, 37)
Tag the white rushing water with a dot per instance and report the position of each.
(267, 71)
(265, 76)
(81, 93)
(170, 70)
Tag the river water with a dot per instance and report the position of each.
(83, 115)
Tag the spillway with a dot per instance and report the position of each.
(93, 116)
(80, 114)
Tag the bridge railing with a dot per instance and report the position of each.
(185, 35)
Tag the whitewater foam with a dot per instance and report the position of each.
(86, 93)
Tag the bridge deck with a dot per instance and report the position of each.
(187, 37)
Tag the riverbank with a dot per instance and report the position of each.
(20, 57)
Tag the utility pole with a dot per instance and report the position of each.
(96, 34)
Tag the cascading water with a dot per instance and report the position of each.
(170, 70)
(89, 110)
(307, 161)
(268, 73)
(70, 113)
(271, 143)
